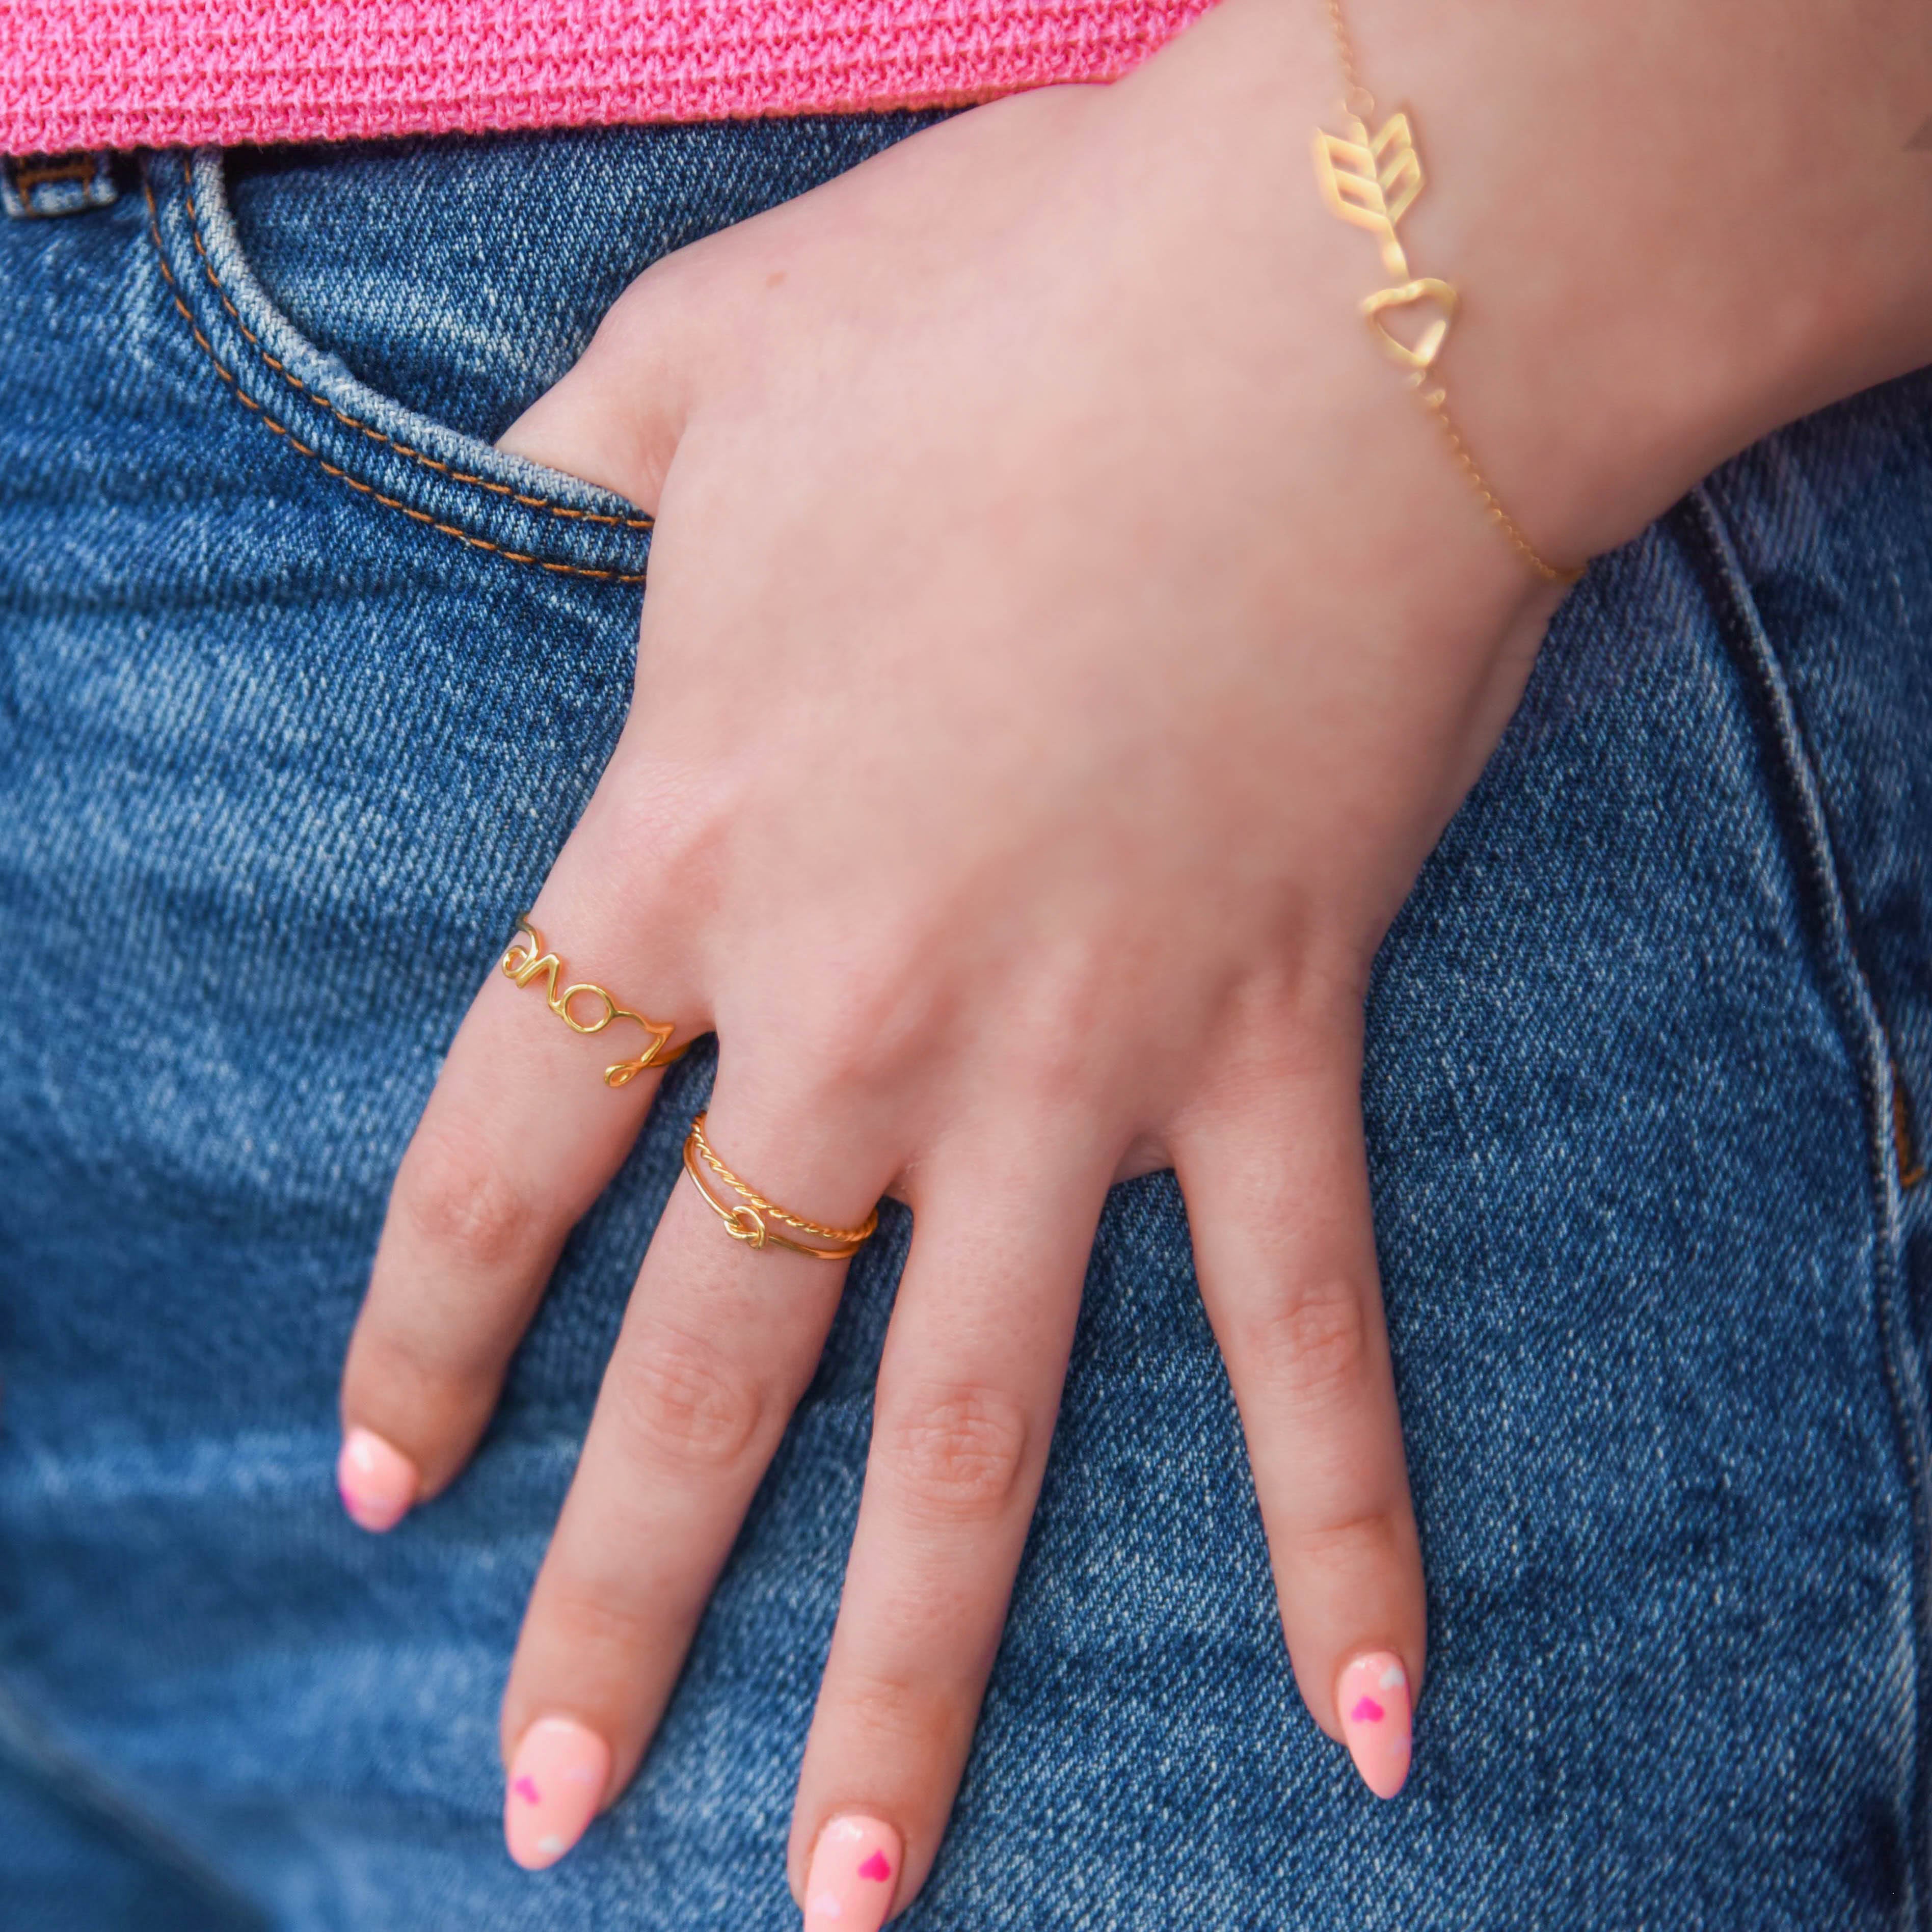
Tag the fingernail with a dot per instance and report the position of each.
(854, 1876)
(557, 1782)
(1373, 1698)
(377, 1481)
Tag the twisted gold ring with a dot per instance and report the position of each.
(750, 1221)
(523, 963)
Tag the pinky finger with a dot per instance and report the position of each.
(1276, 1184)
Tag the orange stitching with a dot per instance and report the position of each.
(1911, 1166)
(330, 470)
(546, 505)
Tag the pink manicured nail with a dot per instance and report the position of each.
(378, 1482)
(854, 1875)
(556, 1782)
(1373, 1697)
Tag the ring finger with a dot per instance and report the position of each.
(969, 1389)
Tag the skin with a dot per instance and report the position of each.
(1066, 641)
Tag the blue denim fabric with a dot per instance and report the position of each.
(302, 685)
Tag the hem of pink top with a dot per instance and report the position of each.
(124, 74)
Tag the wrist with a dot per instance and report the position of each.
(1683, 227)
(1671, 230)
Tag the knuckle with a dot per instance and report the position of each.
(1354, 1546)
(859, 1029)
(455, 1196)
(849, 1042)
(1310, 1346)
(422, 1375)
(955, 1454)
(1044, 1067)
(681, 814)
(895, 1719)
(679, 1401)
(598, 1618)
(1065, 1023)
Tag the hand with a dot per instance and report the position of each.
(1065, 641)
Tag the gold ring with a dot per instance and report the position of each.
(523, 964)
(750, 1221)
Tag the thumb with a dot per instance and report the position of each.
(617, 417)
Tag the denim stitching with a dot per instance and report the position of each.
(548, 506)
(295, 442)
(1869, 1049)
(1911, 1167)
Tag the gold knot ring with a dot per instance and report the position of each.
(750, 1220)
(523, 962)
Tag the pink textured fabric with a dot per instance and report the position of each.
(84, 74)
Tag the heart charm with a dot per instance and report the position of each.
(1436, 301)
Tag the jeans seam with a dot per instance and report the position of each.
(549, 505)
(1801, 810)
(468, 538)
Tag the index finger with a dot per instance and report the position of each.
(545, 1087)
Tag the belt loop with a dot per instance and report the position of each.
(35, 186)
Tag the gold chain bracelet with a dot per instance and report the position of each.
(1371, 179)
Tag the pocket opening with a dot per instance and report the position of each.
(453, 484)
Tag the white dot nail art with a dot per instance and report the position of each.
(827, 1905)
(1392, 1676)
(550, 1844)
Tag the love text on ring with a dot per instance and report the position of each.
(524, 962)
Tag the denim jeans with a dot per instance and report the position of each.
(302, 685)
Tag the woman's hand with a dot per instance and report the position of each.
(1065, 641)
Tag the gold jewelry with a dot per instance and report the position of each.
(750, 1221)
(1371, 179)
(523, 964)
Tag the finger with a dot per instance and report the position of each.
(522, 1131)
(968, 1390)
(719, 1343)
(615, 417)
(1276, 1184)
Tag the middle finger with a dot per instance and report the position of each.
(718, 1345)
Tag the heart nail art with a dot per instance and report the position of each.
(560, 1769)
(1375, 1720)
(848, 1888)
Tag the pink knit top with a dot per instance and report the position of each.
(92, 74)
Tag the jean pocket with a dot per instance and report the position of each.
(402, 462)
